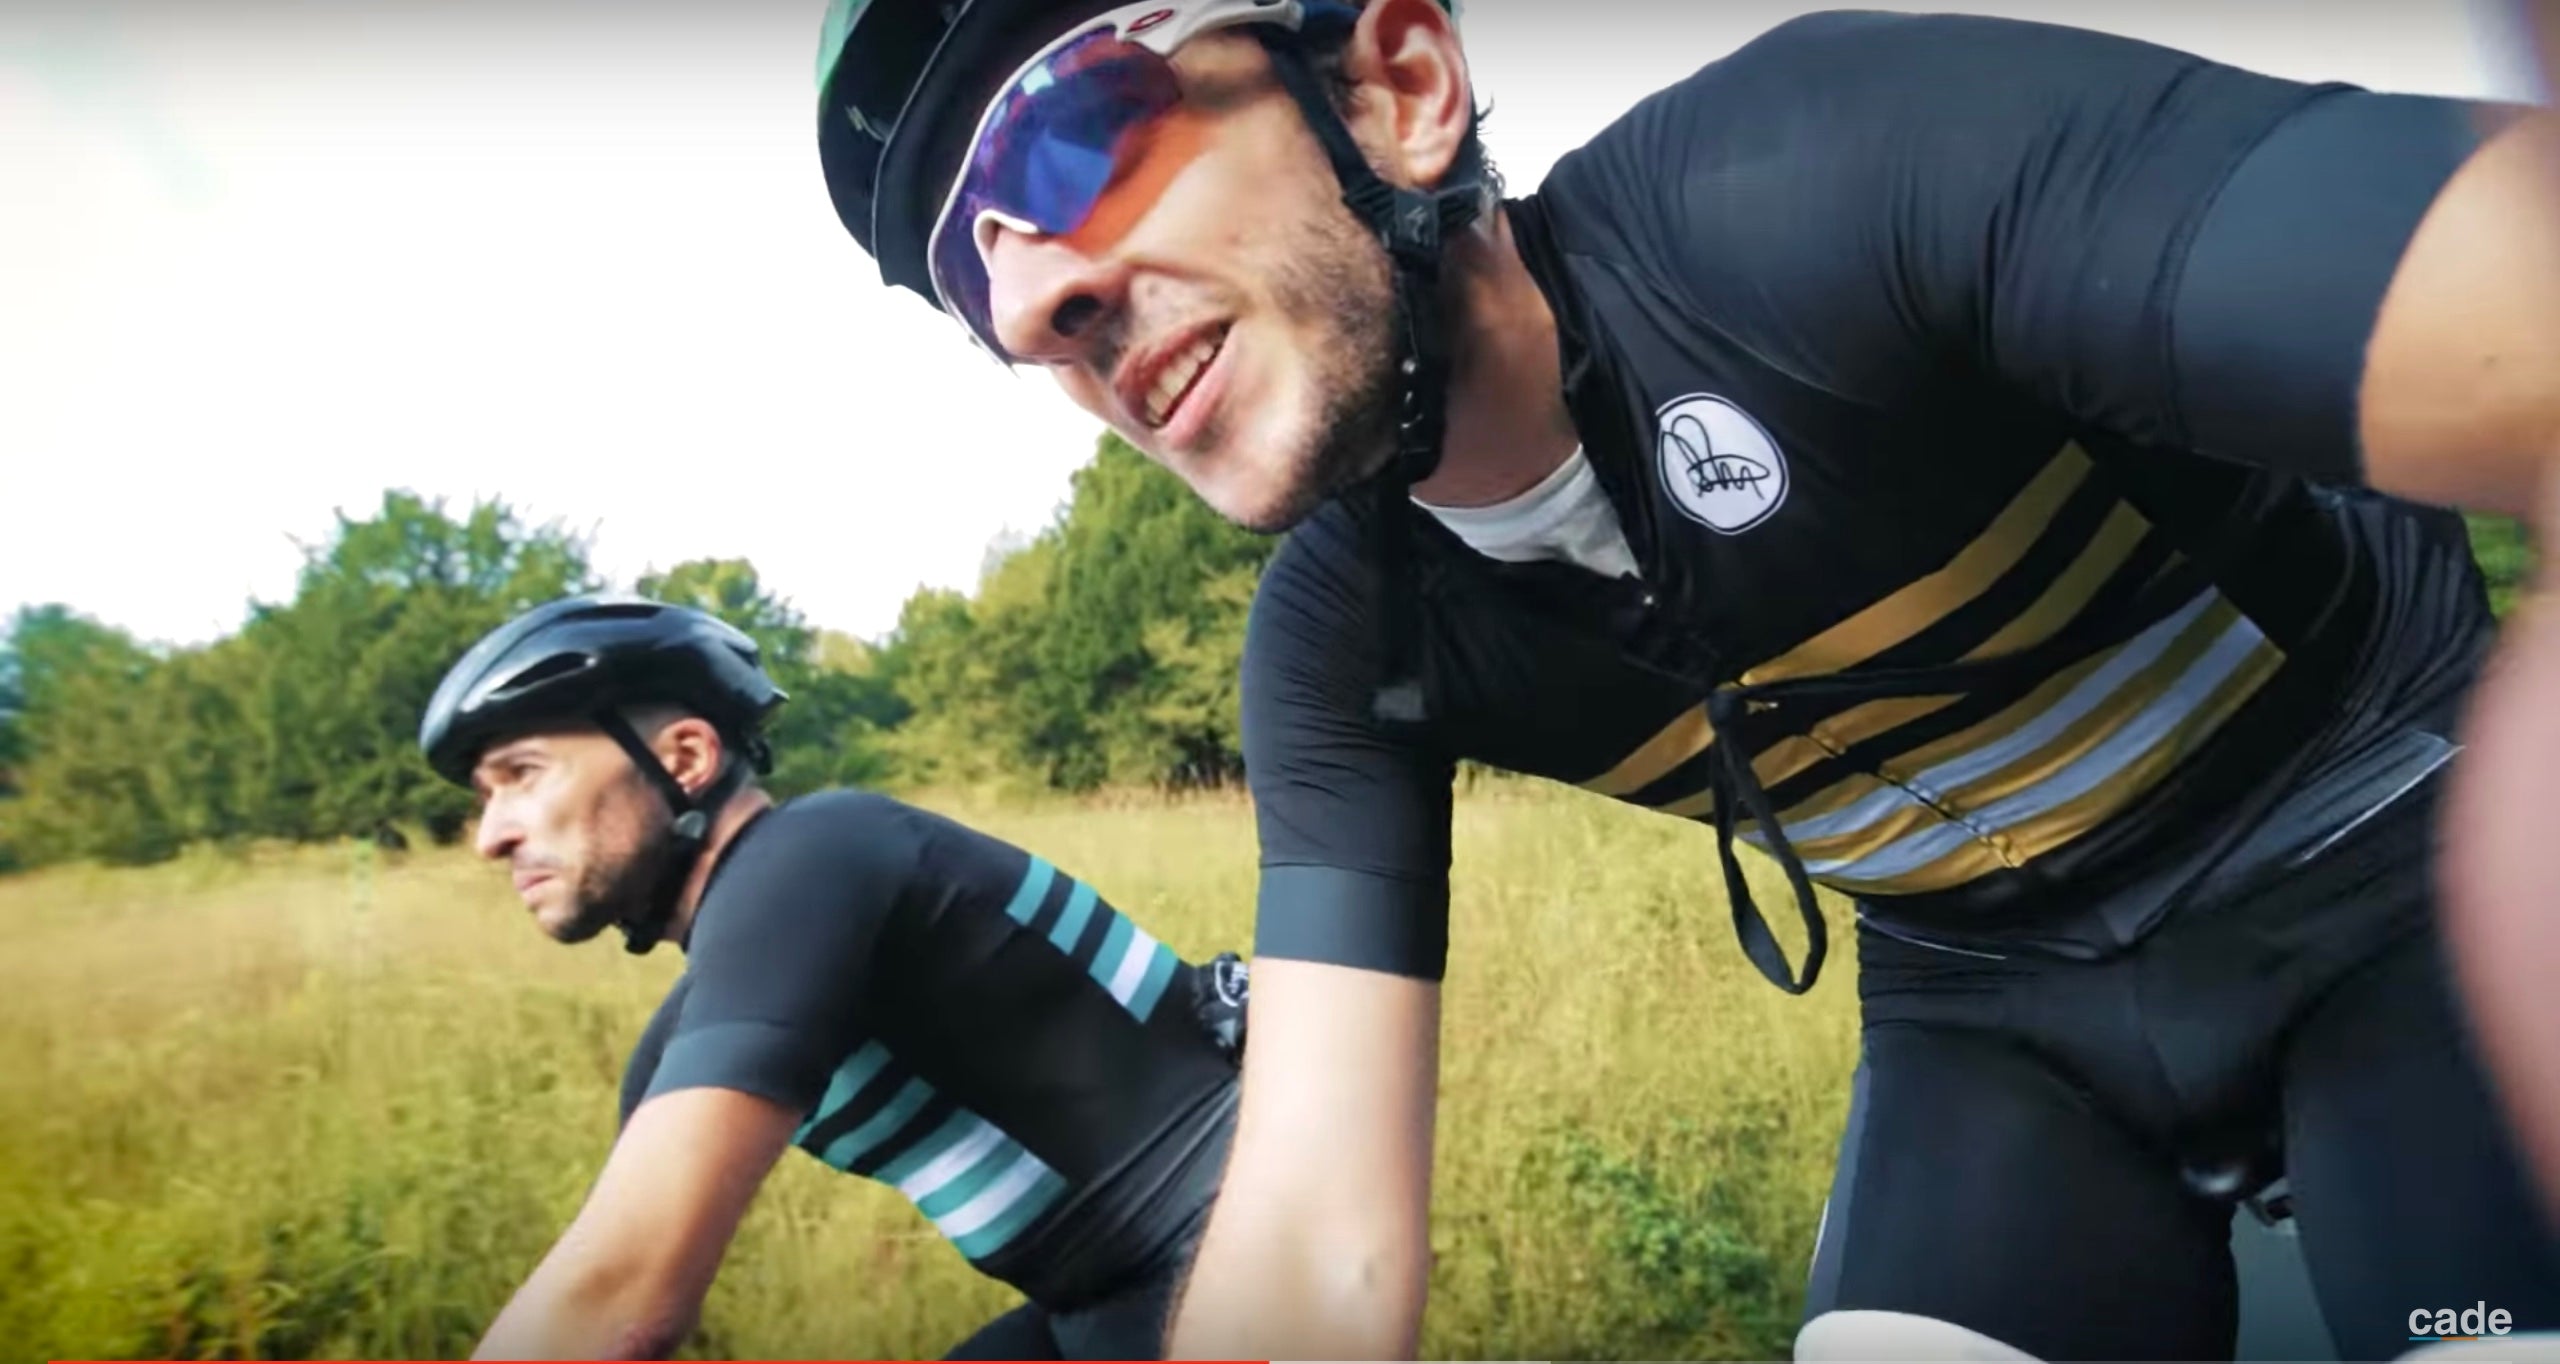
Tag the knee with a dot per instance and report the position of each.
(1859, 1334)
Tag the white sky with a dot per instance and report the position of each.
(259, 261)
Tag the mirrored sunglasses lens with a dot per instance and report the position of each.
(1046, 156)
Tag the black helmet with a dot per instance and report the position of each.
(585, 658)
(582, 657)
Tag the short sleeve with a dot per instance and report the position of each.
(1909, 210)
(1353, 818)
(781, 948)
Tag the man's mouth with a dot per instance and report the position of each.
(527, 880)
(1177, 375)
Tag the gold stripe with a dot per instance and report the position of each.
(2065, 598)
(1695, 806)
(2157, 679)
(1684, 738)
(1857, 843)
(2046, 696)
(2074, 588)
(1924, 602)
(2067, 822)
(1785, 759)
(1853, 787)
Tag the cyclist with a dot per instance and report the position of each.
(1961, 457)
(898, 995)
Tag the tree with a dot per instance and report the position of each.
(1102, 652)
(827, 734)
(344, 671)
(86, 755)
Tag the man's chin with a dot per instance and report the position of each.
(572, 925)
(1282, 510)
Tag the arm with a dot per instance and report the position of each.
(2461, 400)
(741, 1050)
(1319, 1245)
(627, 1279)
(2504, 937)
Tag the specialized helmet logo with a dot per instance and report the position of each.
(1149, 21)
(1720, 467)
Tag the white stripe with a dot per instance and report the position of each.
(2140, 653)
(1132, 971)
(2090, 770)
(2136, 654)
(994, 1199)
(951, 1164)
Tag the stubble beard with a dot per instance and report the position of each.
(620, 888)
(1338, 275)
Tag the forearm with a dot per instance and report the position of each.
(1319, 1244)
(1279, 1278)
(569, 1311)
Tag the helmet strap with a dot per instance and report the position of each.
(691, 828)
(1414, 226)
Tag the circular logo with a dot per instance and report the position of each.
(1720, 467)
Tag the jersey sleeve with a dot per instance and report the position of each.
(1900, 208)
(780, 952)
(1353, 819)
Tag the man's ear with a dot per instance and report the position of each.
(1413, 102)
(693, 752)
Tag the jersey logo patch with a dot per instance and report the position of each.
(1720, 466)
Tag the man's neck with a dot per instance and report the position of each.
(749, 802)
(1508, 425)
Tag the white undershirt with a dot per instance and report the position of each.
(1567, 516)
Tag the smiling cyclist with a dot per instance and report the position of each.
(1964, 459)
(899, 996)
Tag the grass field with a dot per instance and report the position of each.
(326, 1102)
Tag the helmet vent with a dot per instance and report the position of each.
(622, 610)
(557, 665)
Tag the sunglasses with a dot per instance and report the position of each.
(1061, 131)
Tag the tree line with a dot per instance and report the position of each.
(1102, 653)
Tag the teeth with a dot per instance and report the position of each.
(1176, 377)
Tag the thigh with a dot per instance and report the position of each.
(2407, 1186)
(1979, 1186)
(1022, 1333)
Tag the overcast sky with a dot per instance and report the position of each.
(262, 261)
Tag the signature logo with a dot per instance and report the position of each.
(1719, 466)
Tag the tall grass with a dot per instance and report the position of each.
(330, 1103)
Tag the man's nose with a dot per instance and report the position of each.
(1046, 299)
(498, 833)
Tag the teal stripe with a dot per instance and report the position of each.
(1115, 945)
(992, 1237)
(845, 1150)
(1151, 989)
(850, 1077)
(946, 1200)
(954, 1130)
(1034, 889)
(1071, 920)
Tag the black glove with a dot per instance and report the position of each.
(1218, 1001)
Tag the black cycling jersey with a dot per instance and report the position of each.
(964, 1022)
(1991, 491)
